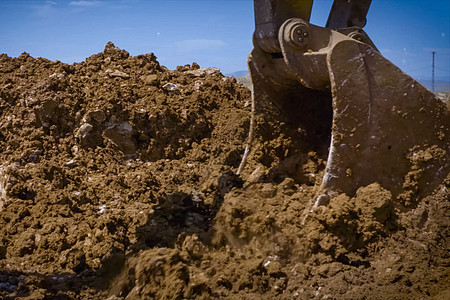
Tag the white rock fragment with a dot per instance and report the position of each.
(3, 181)
(171, 87)
(58, 76)
(203, 72)
(198, 85)
(117, 73)
(70, 162)
(101, 209)
(75, 150)
(125, 128)
(85, 129)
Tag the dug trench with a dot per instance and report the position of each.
(118, 181)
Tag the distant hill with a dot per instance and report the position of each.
(439, 85)
(442, 86)
(245, 80)
(237, 73)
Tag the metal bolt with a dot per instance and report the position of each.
(300, 39)
(299, 31)
(305, 34)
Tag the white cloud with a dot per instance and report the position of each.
(200, 44)
(45, 10)
(84, 3)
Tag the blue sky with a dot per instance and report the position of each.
(209, 32)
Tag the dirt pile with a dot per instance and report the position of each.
(117, 179)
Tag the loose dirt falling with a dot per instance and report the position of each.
(118, 181)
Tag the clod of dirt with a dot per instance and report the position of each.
(347, 224)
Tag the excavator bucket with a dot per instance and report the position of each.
(382, 121)
(384, 126)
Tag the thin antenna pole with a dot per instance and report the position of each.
(432, 72)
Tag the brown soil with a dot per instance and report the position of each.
(117, 181)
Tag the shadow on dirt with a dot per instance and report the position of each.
(14, 285)
(179, 213)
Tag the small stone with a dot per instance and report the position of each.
(274, 267)
(287, 183)
(4, 177)
(117, 73)
(268, 191)
(150, 79)
(71, 162)
(203, 72)
(85, 129)
(198, 85)
(7, 86)
(334, 268)
(98, 115)
(171, 87)
(125, 128)
(58, 76)
(256, 174)
(121, 136)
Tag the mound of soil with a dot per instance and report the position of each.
(118, 181)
